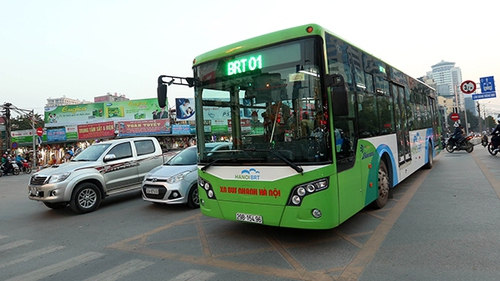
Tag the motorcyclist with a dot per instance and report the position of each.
(484, 139)
(457, 136)
(7, 166)
(495, 136)
(19, 160)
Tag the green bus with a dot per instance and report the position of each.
(318, 128)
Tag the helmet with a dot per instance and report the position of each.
(456, 125)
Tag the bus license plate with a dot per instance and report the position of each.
(248, 218)
(152, 191)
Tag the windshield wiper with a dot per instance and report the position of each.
(281, 157)
(204, 168)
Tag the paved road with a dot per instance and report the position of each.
(442, 224)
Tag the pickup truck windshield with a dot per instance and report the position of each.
(92, 153)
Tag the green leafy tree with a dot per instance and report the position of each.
(24, 122)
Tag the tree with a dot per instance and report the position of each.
(473, 121)
(24, 122)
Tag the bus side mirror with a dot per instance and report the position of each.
(338, 94)
(161, 92)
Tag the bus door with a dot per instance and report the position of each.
(401, 117)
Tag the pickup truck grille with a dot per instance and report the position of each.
(37, 180)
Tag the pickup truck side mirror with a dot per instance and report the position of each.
(109, 157)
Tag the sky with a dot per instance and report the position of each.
(82, 49)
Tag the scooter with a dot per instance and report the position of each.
(466, 145)
(14, 169)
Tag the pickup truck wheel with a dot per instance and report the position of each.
(56, 206)
(193, 198)
(86, 198)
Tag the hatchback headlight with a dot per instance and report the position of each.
(58, 177)
(177, 178)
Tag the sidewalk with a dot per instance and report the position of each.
(450, 228)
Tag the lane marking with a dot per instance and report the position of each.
(55, 268)
(121, 271)
(194, 275)
(492, 179)
(14, 244)
(32, 255)
(354, 269)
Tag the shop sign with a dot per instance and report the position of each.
(58, 134)
(181, 130)
(96, 131)
(143, 127)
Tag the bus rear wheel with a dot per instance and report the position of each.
(383, 186)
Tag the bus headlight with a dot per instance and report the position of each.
(207, 187)
(296, 200)
(299, 192)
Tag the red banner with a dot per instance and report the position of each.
(143, 127)
(97, 130)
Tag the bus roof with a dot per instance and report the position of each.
(259, 41)
(269, 39)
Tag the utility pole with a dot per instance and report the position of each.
(479, 114)
(6, 106)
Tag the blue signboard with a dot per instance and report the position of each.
(56, 134)
(487, 88)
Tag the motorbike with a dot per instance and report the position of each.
(14, 170)
(491, 146)
(26, 168)
(466, 145)
(484, 141)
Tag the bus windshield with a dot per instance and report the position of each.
(275, 95)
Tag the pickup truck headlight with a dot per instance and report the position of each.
(58, 177)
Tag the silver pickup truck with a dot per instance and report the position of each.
(101, 170)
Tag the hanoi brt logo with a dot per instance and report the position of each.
(250, 174)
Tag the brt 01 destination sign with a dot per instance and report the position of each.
(244, 64)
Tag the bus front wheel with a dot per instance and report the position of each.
(383, 186)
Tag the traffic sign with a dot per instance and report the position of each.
(487, 88)
(454, 116)
(487, 84)
(39, 131)
(468, 87)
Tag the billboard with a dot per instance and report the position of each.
(184, 108)
(77, 114)
(97, 130)
(143, 127)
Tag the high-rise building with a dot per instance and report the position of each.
(448, 79)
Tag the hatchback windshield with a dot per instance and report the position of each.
(185, 157)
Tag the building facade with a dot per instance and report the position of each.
(51, 102)
(111, 98)
(448, 78)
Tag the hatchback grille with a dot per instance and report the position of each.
(161, 191)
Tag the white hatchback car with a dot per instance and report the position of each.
(175, 182)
